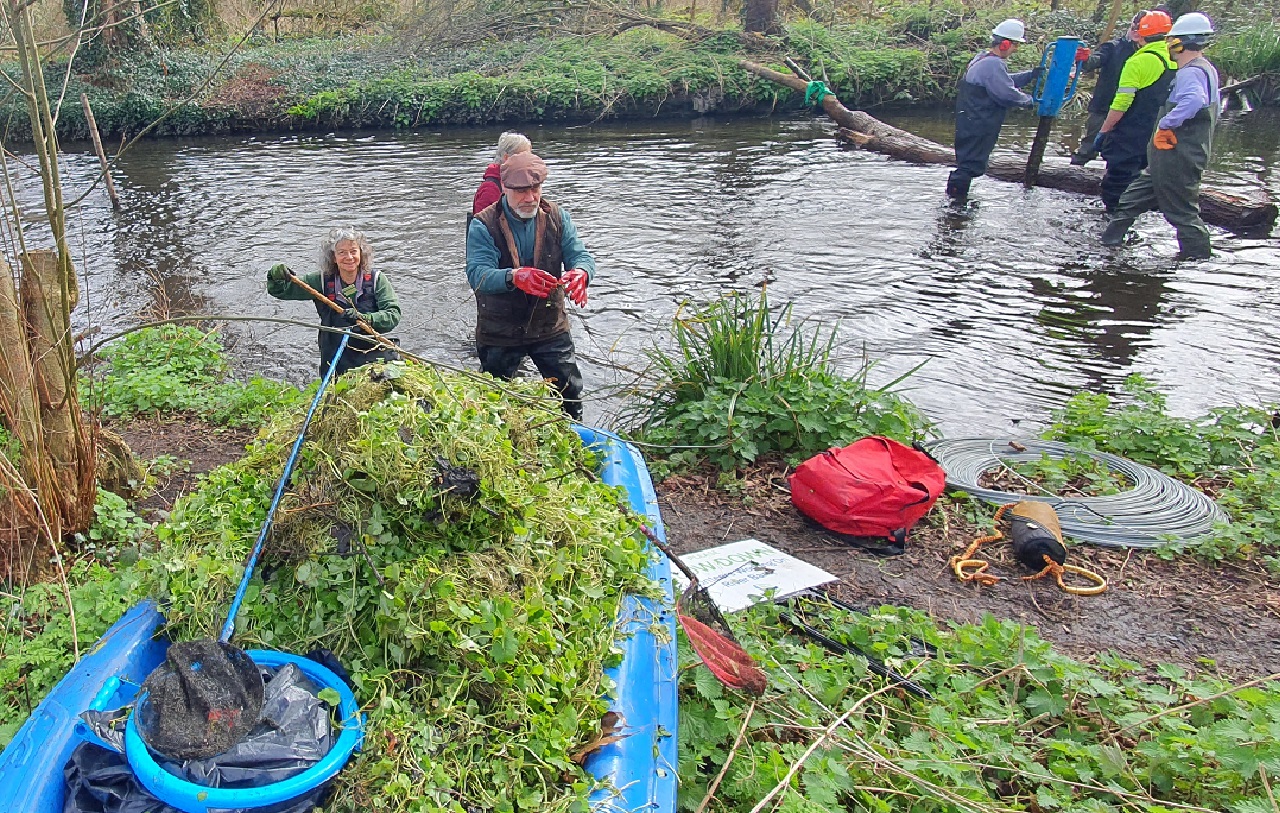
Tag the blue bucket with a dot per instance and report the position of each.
(193, 798)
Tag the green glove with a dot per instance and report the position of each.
(352, 314)
(278, 272)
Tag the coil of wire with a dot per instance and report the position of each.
(1155, 511)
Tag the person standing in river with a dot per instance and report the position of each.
(523, 256)
(1181, 146)
(509, 143)
(347, 278)
(986, 93)
(1144, 85)
(1108, 61)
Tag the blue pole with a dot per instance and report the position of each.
(229, 627)
(1057, 85)
(1058, 81)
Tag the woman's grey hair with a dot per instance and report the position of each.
(510, 143)
(339, 235)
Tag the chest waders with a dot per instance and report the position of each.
(1171, 181)
(514, 325)
(362, 350)
(978, 121)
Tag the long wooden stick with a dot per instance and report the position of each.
(97, 146)
(1112, 18)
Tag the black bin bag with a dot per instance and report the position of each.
(293, 733)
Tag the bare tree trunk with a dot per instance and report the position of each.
(19, 534)
(17, 378)
(1218, 208)
(66, 443)
(41, 406)
(760, 16)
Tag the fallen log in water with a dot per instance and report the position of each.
(1233, 212)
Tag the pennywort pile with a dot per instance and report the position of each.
(450, 544)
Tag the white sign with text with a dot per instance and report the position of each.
(739, 574)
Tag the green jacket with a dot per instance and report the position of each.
(384, 319)
(1143, 69)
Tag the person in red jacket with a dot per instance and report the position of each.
(490, 190)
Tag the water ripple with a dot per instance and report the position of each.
(1011, 301)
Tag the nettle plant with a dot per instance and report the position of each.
(1233, 453)
(1011, 725)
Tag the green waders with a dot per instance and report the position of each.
(1171, 181)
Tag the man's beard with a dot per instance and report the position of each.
(526, 212)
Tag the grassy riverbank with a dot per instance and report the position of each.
(382, 77)
(1014, 724)
(371, 82)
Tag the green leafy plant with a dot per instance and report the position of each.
(174, 369)
(39, 640)
(164, 466)
(9, 446)
(1233, 453)
(114, 527)
(1068, 476)
(743, 382)
(250, 403)
(1012, 725)
(158, 369)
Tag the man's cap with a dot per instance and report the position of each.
(523, 170)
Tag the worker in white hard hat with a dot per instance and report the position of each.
(1180, 148)
(986, 93)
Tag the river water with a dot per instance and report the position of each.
(1011, 302)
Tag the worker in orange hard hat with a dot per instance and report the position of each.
(1108, 60)
(1144, 85)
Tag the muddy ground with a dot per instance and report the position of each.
(1220, 618)
(1217, 618)
(195, 446)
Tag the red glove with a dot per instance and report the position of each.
(1165, 140)
(1083, 53)
(575, 285)
(534, 281)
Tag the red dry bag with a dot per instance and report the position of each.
(873, 487)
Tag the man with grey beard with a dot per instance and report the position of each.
(523, 256)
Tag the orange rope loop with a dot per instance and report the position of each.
(968, 567)
(1098, 587)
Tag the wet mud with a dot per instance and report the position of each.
(196, 447)
(1219, 618)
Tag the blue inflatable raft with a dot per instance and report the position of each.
(640, 770)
